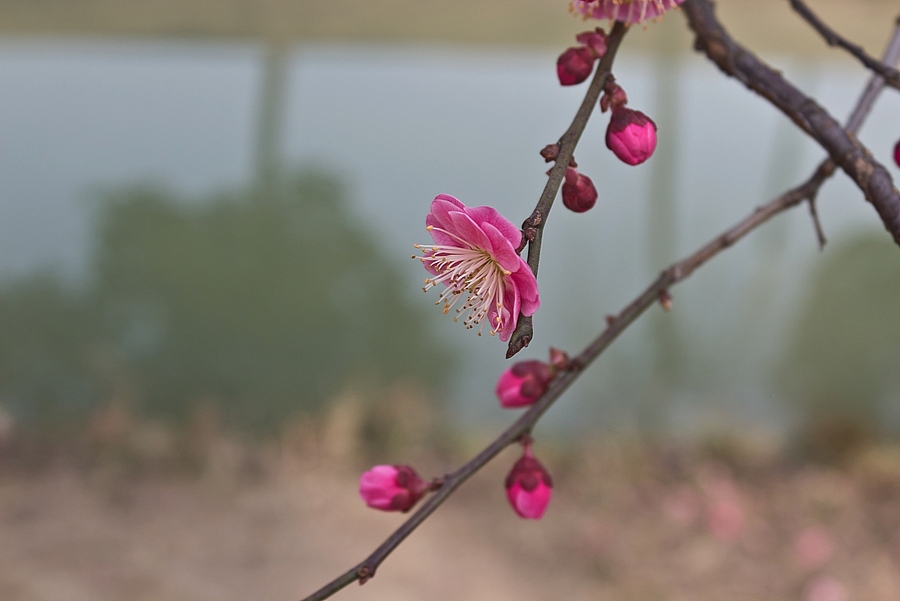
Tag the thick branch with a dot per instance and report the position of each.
(890, 75)
(847, 152)
(534, 225)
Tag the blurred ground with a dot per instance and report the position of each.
(144, 521)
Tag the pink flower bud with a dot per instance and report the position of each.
(578, 191)
(529, 487)
(595, 40)
(391, 487)
(575, 65)
(631, 135)
(897, 154)
(523, 383)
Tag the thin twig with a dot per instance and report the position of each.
(846, 150)
(890, 75)
(534, 225)
(615, 326)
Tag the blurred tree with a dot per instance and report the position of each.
(45, 370)
(266, 301)
(844, 362)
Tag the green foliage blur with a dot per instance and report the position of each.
(843, 367)
(266, 301)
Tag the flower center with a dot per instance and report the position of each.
(468, 272)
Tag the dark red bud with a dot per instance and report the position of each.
(575, 65)
(578, 191)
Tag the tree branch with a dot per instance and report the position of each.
(848, 153)
(890, 75)
(534, 225)
(615, 326)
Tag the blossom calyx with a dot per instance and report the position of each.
(523, 383)
(613, 95)
(575, 65)
(578, 191)
(529, 487)
(631, 135)
(391, 487)
(595, 40)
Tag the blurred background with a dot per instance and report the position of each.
(210, 324)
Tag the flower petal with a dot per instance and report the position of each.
(490, 215)
(526, 285)
(501, 249)
(469, 231)
(439, 217)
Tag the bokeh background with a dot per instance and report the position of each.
(210, 323)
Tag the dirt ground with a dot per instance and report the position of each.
(626, 522)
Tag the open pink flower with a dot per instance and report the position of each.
(629, 11)
(391, 487)
(474, 256)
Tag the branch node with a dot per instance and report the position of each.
(365, 573)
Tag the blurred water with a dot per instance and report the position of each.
(402, 124)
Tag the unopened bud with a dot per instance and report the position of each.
(559, 359)
(529, 487)
(897, 154)
(575, 65)
(631, 135)
(391, 487)
(665, 300)
(523, 383)
(578, 191)
(550, 152)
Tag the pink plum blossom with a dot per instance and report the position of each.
(629, 11)
(631, 135)
(474, 257)
(391, 487)
(523, 383)
(529, 487)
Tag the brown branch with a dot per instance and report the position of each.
(534, 225)
(890, 75)
(848, 153)
(616, 324)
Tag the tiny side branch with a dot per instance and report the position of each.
(534, 225)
